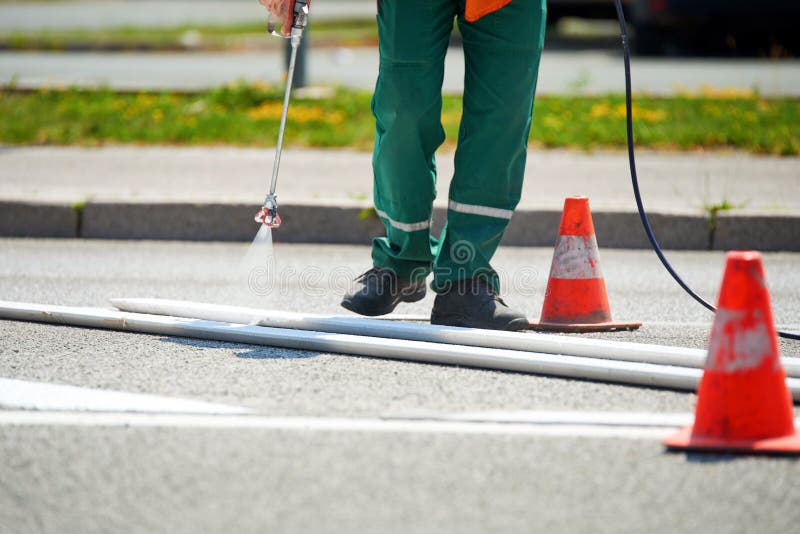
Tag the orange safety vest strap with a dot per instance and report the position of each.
(477, 8)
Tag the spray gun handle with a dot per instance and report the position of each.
(299, 22)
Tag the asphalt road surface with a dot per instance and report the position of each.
(90, 477)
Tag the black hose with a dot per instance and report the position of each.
(635, 180)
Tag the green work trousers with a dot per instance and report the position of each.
(502, 52)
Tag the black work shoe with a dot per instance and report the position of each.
(472, 303)
(383, 290)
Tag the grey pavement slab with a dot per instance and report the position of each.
(104, 14)
(677, 182)
(586, 72)
(207, 193)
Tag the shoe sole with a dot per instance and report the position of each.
(414, 297)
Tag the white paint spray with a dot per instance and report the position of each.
(257, 267)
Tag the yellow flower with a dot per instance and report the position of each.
(336, 117)
(718, 93)
(259, 84)
(267, 110)
(652, 115)
(600, 110)
(451, 118)
(300, 114)
(145, 100)
(726, 93)
(639, 113)
(553, 122)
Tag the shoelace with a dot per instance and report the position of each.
(377, 272)
(478, 284)
(496, 297)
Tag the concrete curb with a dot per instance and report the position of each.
(33, 219)
(358, 224)
(764, 232)
(226, 222)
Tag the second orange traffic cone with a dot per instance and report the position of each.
(576, 298)
(743, 403)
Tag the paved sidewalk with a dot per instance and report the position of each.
(93, 14)
(211, 194)
(561, 72)
(582, 72)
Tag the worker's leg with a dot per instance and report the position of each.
(413, 38)
(502, 52)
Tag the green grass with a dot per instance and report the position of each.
(717, 121)
(248, 115)
(355, 32)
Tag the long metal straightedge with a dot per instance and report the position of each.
(529, 342)
(644, 374)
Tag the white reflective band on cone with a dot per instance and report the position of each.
(645, 374)
(740, 341)
(546, 343)
(576, 258)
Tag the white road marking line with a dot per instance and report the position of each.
(325, 424)
(22, 394)
(630, 419)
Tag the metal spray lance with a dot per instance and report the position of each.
(268, 214)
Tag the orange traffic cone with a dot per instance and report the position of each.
(576, 299)
(743, 403)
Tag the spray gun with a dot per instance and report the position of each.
(268, 214)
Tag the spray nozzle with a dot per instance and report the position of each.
(268, 214)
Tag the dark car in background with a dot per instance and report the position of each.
(763, 27)
(717, 27)
(589, 9)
